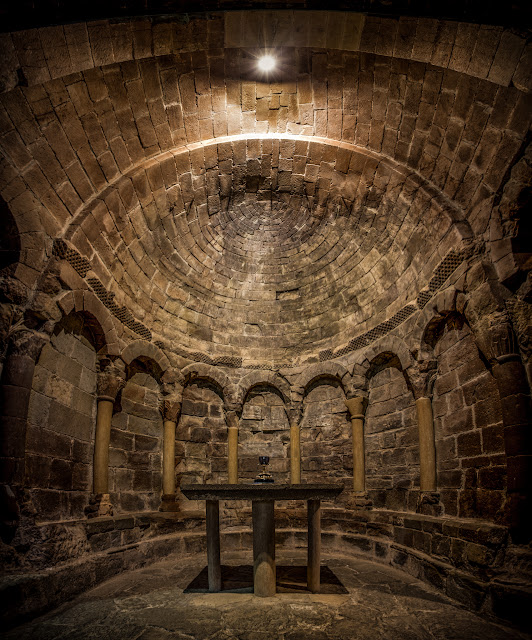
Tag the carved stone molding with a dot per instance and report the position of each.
(294, 413)
(28, 342)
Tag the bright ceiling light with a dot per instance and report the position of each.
(266, 63)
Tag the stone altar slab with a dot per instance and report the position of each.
(263, 497)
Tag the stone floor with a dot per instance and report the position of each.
(365, 600)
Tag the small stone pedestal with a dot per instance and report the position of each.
(429, 503)
(357, 500)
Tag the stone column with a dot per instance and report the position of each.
(314, 546)
(110, 381)
(170, 409)
(263, 547)
(427, 446)
(357, 409)
(514, 393)
(295, 453)
(214, 570)
(232, 447)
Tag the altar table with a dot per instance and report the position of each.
(262, 498)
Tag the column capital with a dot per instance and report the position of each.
(356, 406)
(421, 377)
(170, 408)
(294, 413)
(27, 342)
(503, 342)
(111, 379)
(232, 418)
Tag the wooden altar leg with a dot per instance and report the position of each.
(263, 548)
(314, 545)
(213, 545)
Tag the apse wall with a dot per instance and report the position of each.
(210, 266)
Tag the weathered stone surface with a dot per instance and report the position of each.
(354, 226)
(150, 603)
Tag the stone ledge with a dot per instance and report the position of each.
(31, 594)
(28, 595)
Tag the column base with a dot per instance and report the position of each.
(429, 503)
(168, 503)
(99, 505)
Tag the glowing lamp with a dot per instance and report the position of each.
(266, 63)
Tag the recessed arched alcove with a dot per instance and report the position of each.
(203, 264)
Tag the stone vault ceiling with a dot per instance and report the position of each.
(260, 221)
(266, 248)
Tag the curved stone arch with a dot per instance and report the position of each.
(448, 208)
(202, 371)
(86, 301)
(33, 252)
(147, 350)
(387, 345)
(268, 378)
(155, 39)
(438, 307)
(322, 371)
(150, 356)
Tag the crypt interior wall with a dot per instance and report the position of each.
(202, 264)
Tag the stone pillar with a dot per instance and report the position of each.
(263, 547)
(427, 447)
(170, 410)
(23, 350)
(232, 447)
(514, 393)
(314, 546)
(214, 569)
(110, 381)
(295, 454)
(357, 409)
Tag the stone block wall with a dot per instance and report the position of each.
(270, 225)
(326, 449)
(201, 439)
(264, 430)
(135, 454)
(392, 442)
(456, 125)
(61, 424)
(469, 433)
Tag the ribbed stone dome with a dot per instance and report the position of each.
(270, 250)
